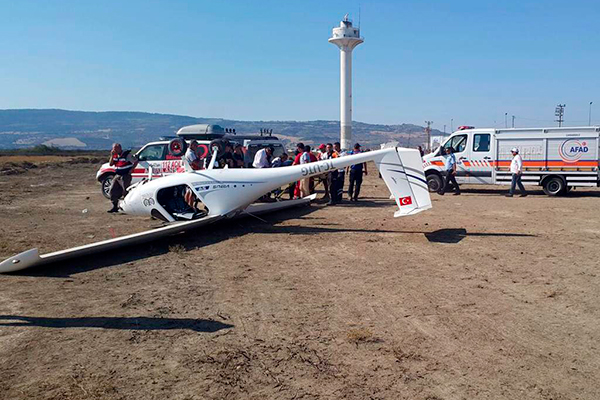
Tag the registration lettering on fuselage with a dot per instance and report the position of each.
(318, 167)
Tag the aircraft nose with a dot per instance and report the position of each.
(127, 204)
(124, 205)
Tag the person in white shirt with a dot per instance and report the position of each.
(279, 161)
(305, 183)
(262, 159)
(516, 169)
(190, 159)
(191, 162)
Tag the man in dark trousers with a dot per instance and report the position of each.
(332, 175)
(516, 169)
(356, 176)
(339, 192)
(450, 166)
(124, 163)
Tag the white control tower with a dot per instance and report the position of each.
(346, 37)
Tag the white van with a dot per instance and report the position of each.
(557, 159)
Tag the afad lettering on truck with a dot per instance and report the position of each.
(572, 150)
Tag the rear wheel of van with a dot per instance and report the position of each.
(434, 183)
(105, 183)
(554, 186)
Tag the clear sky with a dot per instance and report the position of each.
(467, 60)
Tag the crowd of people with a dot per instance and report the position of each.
(232, 156)
(334, 180)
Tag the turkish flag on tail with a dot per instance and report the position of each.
(405, 201)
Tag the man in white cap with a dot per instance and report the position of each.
(516, 169)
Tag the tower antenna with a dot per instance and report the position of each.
(359, 17)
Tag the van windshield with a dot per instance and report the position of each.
(458, 143)
(277, 147)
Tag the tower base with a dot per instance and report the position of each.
(346, 137)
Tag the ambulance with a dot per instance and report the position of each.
(557, 159)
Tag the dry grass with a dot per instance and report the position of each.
(360, 335)
(34, 159)
(177, 249)
(402, 355)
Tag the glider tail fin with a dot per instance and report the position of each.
(402, 171)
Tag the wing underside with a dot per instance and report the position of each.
(32, 258)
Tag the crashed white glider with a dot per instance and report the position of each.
(229, 193)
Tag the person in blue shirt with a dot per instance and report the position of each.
(450, 167)
(356, 176)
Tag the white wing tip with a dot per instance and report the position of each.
(413, 211)
(21, 261)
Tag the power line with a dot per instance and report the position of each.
(428, 130)
(559, 112)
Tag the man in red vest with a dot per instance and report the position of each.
(124, 163)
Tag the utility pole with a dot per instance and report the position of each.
(559, 112)
(513, 121)
(590, 117)
(428, 130)
(505, 120)
(451, 125)
(444, 128)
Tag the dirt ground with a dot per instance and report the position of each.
(482, 297)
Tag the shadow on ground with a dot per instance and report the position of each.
(124, 323)
(456, 235)
(531, 192)
(366, 203)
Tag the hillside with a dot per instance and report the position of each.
(95, 130)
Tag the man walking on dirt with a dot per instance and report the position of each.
(516, 169)
(450, 166)
(124, 163)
